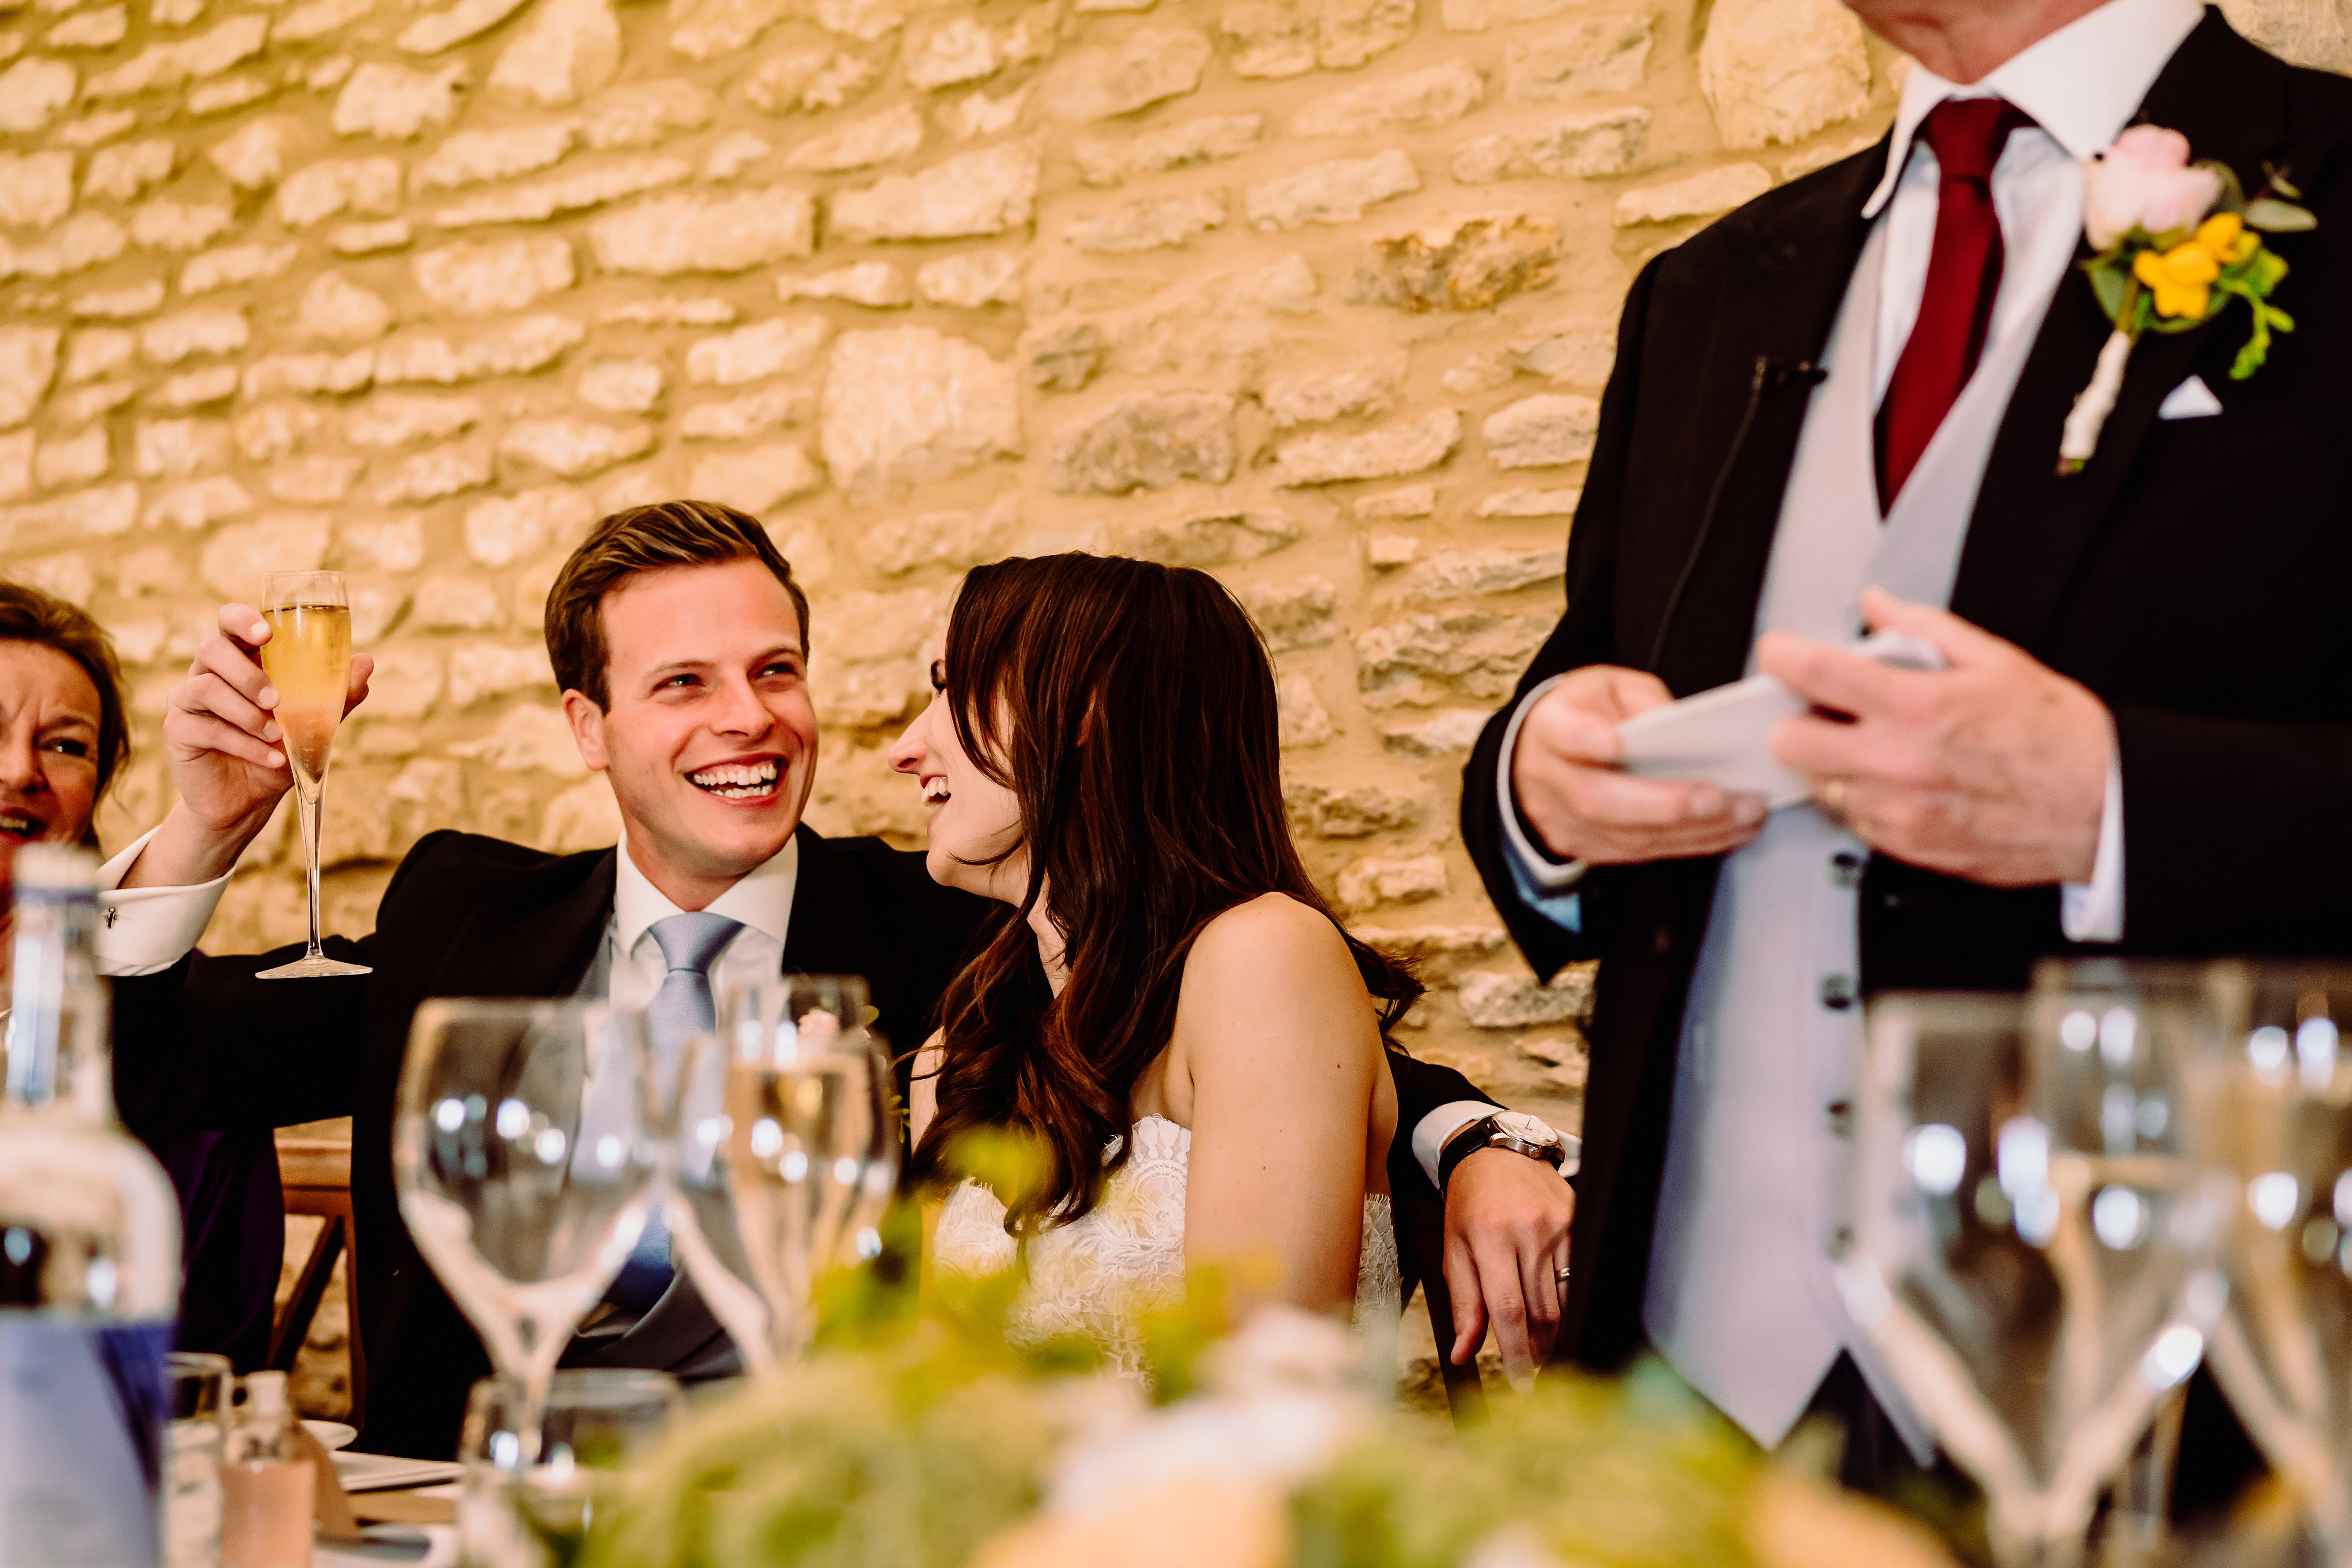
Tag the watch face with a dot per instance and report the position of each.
(1525, 1127)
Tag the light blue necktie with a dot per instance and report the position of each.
(680, 1010)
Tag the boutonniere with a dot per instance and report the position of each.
(2177, 241)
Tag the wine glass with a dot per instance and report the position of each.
(309, 658)
(2032, 1251)
(2274, 1106)
(594, 1425)
(525, 1166)
(785, 1151)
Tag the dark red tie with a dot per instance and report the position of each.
(1967, 135)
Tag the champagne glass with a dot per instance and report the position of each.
(2033, 1247)
(2273, 1107)
(595, 1423)
(525, 1167)
(785, 1150)
(309, 658)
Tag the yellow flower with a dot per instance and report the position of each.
(2226, 236)
(2181, 278)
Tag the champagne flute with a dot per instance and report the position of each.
(524, 1166)
(785, 1150)
(596, 1423)
(2033, 1247)
(309, 658)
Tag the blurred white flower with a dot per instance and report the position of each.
(2144, 181)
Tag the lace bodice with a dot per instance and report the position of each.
(1097, 1275)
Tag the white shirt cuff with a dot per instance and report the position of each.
(143, 931)
(1541, 870)
(2093, 910)
(1429, 1133)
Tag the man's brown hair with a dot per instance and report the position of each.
(27, 614)
(650, 537)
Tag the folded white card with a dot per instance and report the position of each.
(1725, 736)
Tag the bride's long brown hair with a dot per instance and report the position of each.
(1130, 709)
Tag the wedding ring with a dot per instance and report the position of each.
(1833, 799)
(1560, 1273)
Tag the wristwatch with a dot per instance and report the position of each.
(1512, 1130)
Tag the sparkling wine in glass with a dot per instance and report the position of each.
(785, 1152)
(594, 1426)
(2033, 1248)
(308, 659)
(525, 1167)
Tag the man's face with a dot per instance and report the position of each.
(709, 740)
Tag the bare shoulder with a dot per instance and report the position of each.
(1271, 940)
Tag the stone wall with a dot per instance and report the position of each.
(1318, 294)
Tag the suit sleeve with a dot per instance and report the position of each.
(1421, 1087)
(1585, 634)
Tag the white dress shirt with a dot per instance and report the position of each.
(1739, 1296)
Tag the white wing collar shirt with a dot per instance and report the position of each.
(1741, 1299)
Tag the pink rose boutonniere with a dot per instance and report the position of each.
(2177, 241)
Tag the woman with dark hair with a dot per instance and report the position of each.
(1166, 1003)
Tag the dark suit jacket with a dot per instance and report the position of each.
(2194, 576)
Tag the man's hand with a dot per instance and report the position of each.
(1506, 1224)
(1566, 777)
(1994, 770)
(228, 762)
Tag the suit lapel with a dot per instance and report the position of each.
(831, 932)
(2032, 529)
(538, 941)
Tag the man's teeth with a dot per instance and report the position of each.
(737, 781)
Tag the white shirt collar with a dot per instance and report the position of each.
(763, 899)
(2081, 84)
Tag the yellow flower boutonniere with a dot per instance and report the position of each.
(2177, 241)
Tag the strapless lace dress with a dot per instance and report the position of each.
(1125, 1258)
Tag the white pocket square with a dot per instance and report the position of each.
(2192, 399)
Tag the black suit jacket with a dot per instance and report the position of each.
(2194, 576)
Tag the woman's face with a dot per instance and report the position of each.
(48, 747)
(973, 819)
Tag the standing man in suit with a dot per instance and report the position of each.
(1841, 409)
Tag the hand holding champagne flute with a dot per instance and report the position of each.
(308, 657)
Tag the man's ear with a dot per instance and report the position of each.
(587, 721)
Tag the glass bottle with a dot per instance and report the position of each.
(267, 1483)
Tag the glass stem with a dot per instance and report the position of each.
(307, 803)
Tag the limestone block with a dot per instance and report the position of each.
(1316, 397)
(16, 464)
(393, 103)
(758, 480)
(1144, 68)
(159, 68)
(670, 310)
(1799, 164)
(543, 199)
(1472, 264)
(674, 233)
(1477, 651)
(809, 80)
(864, 628)
(733, 154)
(945, 51)
(971, 280)
(568, 50)
(1150, 224)
(753, 414)
(36, 188)
(518, 348)
(1696, 195)
(255, 154)
(178, 226)
(431, 475)
(1602, 53)
(1532, 502)
(877, 138)
(2303, 32)
(1210, 539)
(877, 285)
(906, 405)
(1441, 734)
(1193, 141)
(453, 603)
(574, 448)
(620, 386)
(1404, 502)
(234, 264)
(230, 92)
(1290, 38)
(408, 675)
(715, 29)
(304, 23)
(1488, 569)
(1543, 431)
(531, 737)
(504, 530)
(1479, 16)
(1778, 70)
(73, 460)
(1374, 880)
(66, 576)
(407, 419)
(319, 190)
(1301, 720)
(236, 559)
(264, 432)
(1588, 143)
(1422, 97)
(1359, 813)
(387, 545)
(28, 361)
(100, 29)
(32, 91)
(750, 353)
(84, 240)
(974, 194)
(123, 173)
(482, 670)
(582, 817)
(1293, 614)
(1147, 440)
(334, 308)
(1225, 320)
(93, 401)
(500, 275)
(1407, 447)
(1334, 192)
(437, 31)
(318, 479)
(1494, 999)
(370, 238)
(96, 127)
(1063, 359)
(645, 114)
(196, 388)
(475, 157)
(1574, 359)
(202, 329)
(101, 511)
(897, 545)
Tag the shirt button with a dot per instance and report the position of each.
(1840, 1116)
(1837, 992)
(1845, 868)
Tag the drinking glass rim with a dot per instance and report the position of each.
(278, 590)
